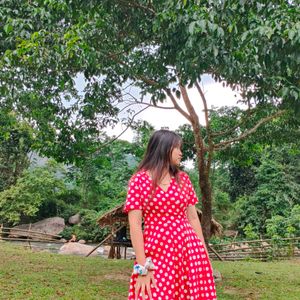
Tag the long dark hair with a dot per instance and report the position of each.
(158, 155)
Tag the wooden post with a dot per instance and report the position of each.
(28, 236)
(215, 252)
(1, 226)
(112, 251)
(125, 250)
(109, 236)
(119, 252)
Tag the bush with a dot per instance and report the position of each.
(88, 229)
(288, 226)
(250, 232)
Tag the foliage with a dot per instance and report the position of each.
(246, 153)
(151, 46)
(242, 158)
(250, 233)
(250, 45)
(35, 188)
(102, 179)
(88, 229)
(222, 208)
(188, 146)
(195, 180)
(276, 194)
(16, 140)
(64, 205)
(288, 226)
(142, 132)
(242, 181)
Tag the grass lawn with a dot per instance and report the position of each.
(37, 275)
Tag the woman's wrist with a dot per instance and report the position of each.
(143, 269)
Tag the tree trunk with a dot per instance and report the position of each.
(203, 167)
(205, 187)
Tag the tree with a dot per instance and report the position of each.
(277, 193)
(16, 141)
(159, 47)
(32, 190)
(142, 133)
(102, 179)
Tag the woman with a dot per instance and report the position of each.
(171, 257)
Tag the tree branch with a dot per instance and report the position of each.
(208, 129)
(194, 119)
(176, 105)
(240, 122)
(148, 104)
(115, 138)
(226, 144)
(137, 5)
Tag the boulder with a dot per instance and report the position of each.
(76, 249)
(82, 242)
(74, 219)
(52, 226)
(230, 233)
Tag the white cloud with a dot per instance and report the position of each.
(216, 96)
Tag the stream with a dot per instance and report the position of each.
(54, 248)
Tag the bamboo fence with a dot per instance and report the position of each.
(23, 235)
(263, 249)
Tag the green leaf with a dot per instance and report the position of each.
(8, 28)
(191, 28)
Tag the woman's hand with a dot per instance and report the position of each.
(143, 283)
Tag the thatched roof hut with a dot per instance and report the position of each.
(116, 217)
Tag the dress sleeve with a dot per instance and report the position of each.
(192, 197)
(134, 195)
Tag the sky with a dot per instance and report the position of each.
(215, 93)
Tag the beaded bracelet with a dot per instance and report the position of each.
(143, 270)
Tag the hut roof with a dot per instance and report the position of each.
(116, 214)
(112, 216)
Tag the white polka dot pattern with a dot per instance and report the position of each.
(183, 268)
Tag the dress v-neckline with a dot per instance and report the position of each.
(170, 183)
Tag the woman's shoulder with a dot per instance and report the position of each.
(183, 175)
(138, 176)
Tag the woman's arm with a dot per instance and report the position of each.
(195, 223)
(136, 235)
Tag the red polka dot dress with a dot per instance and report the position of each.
(183, 270)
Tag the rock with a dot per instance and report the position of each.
(100, 250)
(244, 246)
(217, 275)
(235, 246)
(52, 226)
(74, 219)
(63, 240)
(77, 249)
(82, 242)
(230, 233)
